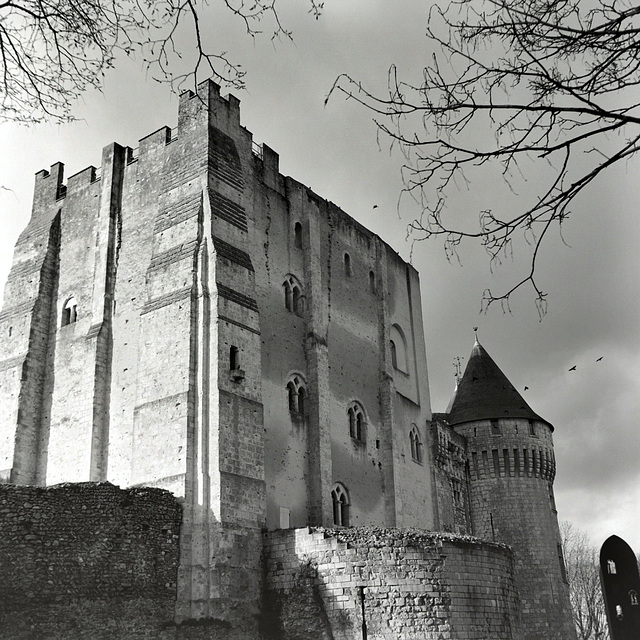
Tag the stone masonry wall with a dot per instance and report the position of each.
(87, 561)
(401, 584)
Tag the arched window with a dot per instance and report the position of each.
(633, 598)
(357, 422)
(69, 312)
(372, 282)
(611, 567)
(398, 346)
(340, 499)
(293, 299)
(347, 265)
(296, 396)
(416, 443)
(297, 235)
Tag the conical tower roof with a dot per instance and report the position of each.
(485, 393)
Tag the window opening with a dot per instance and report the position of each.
(495, 428)
(347, 265)
(69, 312)
(234, 358)
(293, 299)
(456, 489)
(296, 396)
(619, 613)
(340, 499)
(372, 282)
(611, 567)
(532, 428)
(633, 598)
(297, 232)
(416, 444)
(398, 346)
(394, 354)
(357, 423)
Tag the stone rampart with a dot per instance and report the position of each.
(401, 584)
(87, 561)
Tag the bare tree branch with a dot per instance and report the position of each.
(511, 85)
(52, 51)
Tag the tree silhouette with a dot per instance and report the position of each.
(583, 573)
(517, 90)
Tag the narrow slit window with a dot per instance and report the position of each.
(347, 265)
(372, 282)
(234, 358)
(297, 234)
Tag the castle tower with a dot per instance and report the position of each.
(512, 468)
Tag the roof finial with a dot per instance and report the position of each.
(457, 365)
(475, 333)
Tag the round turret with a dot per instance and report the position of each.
(511, 473)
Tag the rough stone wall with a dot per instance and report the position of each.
(338, 345)
(451, 469)
(401, 584)
(87, 561)
(511, 501)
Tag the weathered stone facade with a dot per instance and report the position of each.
(187, 318)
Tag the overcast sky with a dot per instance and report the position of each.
(592, 284)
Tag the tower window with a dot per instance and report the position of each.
(611, 567)
(416, 444)
(357, 423)
(372, 282)
(293, 299)
(340, 499)
(633, 598)
(532, 428)
(296, 396)
(297, 235)
(69, 312)
(347, 265)
(495, 428)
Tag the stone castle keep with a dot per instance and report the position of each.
(247, 363)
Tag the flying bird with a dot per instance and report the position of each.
(600, 358)
(573, 368)
(526, 388)
(375, 206)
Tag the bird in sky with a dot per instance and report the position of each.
(375, 206)
(526, 388)
(573, 368)
(600, 358)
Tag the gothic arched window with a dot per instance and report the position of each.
(357, 422)
(296, 396)
(416, 443)
(340, 499)
(293, 299)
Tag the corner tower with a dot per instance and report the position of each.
(512, 468)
